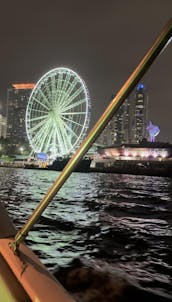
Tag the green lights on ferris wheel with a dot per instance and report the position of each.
(58, 113)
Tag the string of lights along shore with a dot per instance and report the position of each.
(53, 116)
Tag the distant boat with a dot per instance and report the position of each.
(59, 164)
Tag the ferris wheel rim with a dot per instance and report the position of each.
(54, 72)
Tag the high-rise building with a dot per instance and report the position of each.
(140, 114)
(17, 99)
(129, 123)
(117, 130)
(121, 124)
(3, 126)
(106, 137)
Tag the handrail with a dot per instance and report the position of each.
(135, 77)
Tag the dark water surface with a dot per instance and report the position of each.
(121, 221)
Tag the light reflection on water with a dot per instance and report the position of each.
(122, 220)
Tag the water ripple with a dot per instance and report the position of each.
(118, 220)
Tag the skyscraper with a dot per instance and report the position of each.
(121, 123)
(128, 125)
(17, 99)
(140, 114)
(118, 129)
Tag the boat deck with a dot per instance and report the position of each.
(11, 289)
(23, 277)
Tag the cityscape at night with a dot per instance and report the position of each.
(86, 151)
(28, 127)
(129, 125)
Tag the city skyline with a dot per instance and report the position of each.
(130, 122)
(129, 125)
(102, 42)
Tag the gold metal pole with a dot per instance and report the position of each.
(135, 77)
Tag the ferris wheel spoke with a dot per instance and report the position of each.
(62, 141)
(73, 134)
(61, 134)
(44, 97)
(73, 105)
(58, 138)
(72, 121)
(36, 144)
(39, 111)
(40, 138)
(70, 130)
(73, 113)
(66, 82)
(72, 86)
(37, 126)
(50, 137)
(66, 137)
(69, 90)
(38, 118)
(60, 81)
(52, 145)
(39, 142)
(44, 135)
(64, 88)
(59, 88)
(43, 144)
(40, 103)
(74, 95)
(53, 86)
(37, 131)
(47, 91)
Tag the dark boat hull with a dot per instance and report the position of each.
(136, 167)
(59, 164)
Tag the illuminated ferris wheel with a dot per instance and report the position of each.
(58, 113)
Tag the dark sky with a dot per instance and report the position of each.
(101, 40)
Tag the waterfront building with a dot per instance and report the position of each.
(3, 126)
(145, 158)
(142, 151)
(17, 99)
(139, 114)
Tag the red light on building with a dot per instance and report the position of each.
(24, 86)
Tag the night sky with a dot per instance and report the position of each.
(103, 41)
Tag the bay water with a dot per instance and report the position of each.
(118, 221)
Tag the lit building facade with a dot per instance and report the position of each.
(107, 136)
(140, 115)
(121, 124)
(143, 151)
(3, 126)
(17, 99)
(129, 123)
(118, 129)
